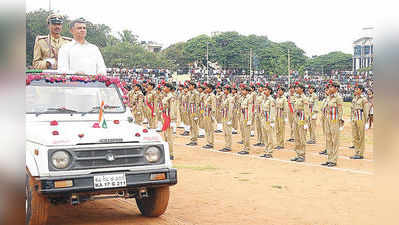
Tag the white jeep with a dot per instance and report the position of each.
(78, 149)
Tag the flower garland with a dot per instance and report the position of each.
(50, 78)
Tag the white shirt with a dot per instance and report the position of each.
(85, 58)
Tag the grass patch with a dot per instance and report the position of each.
(195, 167)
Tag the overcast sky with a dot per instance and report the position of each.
(316, 26)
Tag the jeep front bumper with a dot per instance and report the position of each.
(85, 183)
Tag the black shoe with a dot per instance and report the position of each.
(263, 156)
(252, 135)
(218, 131)
(207, 146)
(291, 140)
(278, 148)
(323, 152)
(294, 159)
(268, 155)
(300, 159)
(357, 157)
(352, 146)
(243, 152)
(325, 164)
(262, 145)
(185, 133)
(240, 142)
(180, 127)
(257, 144)
(225, 150)
(234, 132)
(331, 164)
(172, 157)
(201, 136)
(192, 143)
(159, 131)
(311, 142)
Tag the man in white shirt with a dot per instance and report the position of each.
(80, 56)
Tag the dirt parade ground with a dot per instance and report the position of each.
(227, 188)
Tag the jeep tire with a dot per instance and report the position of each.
(36, 204)
(156, 204)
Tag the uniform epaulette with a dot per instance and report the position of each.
(42, 37)
(67, 38)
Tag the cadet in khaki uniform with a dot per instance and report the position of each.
(158, 103)
(333, 124)
(268, 111)
(45, 52)
(209, 116)
(175, 108)
(236, 113)
(219, 99)
(193, 102)
(323, 118)
(301, 113)
(179, 102)
(186, 118)
(246, 119)
(353, 125)
(281, 115)
(169, 113)
(137, 98)
(259, 98)
(227, 110)
(291, 112)
(150, 105)
(201, 107)
(253, 94)
(313, 115)
(360, 116)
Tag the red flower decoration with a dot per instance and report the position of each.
(96, 125)
(54, 123)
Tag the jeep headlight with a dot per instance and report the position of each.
(152, 154)
(60, 159)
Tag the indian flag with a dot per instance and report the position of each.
(101, 119)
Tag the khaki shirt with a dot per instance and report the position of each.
(168, 102)
(360, 108)
(268, 109)
(301, 107)
(291, 103)
(323, 108)
(281, 107)
(334, 107)
(202, 103)
(228, 107)
(259, 98)
(43, 49)
(246, 107)
(193, 100)
(210, 105)
(313, 102)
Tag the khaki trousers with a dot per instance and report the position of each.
(268, 136)
(259, 132)
(245, 133)
(227, 134)
(332, 140)
(167, 135)
(209, 130)
(291, 122)
(194, 127)
(312, 129)
(300, 138)
(280, 131)
(359, 140)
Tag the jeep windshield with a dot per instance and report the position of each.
(72, 97)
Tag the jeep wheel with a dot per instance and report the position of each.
(156, 204)
(36, 204)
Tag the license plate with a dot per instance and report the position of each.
(109, 181)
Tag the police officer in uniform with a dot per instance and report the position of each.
(169, 113)
(193, 103)
(291, 112)
(360, 118)
(227, 112)
(246, 119)
(281, 115)
(259, 98)
(45, 52)
(268, 119)
(301, 113)
(313, 114)
(150, 105)
(323, 118)
(210, 116)
(333, 123)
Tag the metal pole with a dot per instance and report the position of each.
(207, 57)
(289, 72)
(250, 64)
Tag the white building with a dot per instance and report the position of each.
(363, 49)
(153, 47)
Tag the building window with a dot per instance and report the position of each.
(366, 50)
(357, 50)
